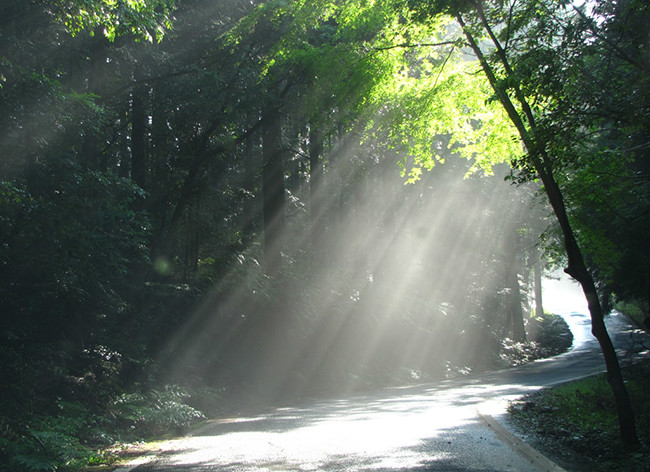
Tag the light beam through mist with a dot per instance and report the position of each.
(404, 286)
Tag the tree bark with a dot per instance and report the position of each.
(123, 168)
(190, 179)
(90, 153)
(578, 270)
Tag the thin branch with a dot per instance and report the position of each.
(641, 179)
(614, 47)
(415, 45)
(509, 23)
(451, 51)
(634, 148)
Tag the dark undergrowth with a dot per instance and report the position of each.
(95, 423)
(76, 436)
(576, 425)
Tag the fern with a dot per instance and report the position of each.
(56, 443)
(156, 411)
(35, 462)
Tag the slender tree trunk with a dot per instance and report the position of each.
(190, 180)
(315, 182)
(537, 274)
(514, 309)
(90, 152)
(193, 240)
(138, 136)
(273, 189)
(121, 164)
(251, 167)
(577, 269)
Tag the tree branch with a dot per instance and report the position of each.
(614, 47)
(415, 45)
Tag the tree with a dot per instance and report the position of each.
(609, 171)
(500, 35)
(273, 188)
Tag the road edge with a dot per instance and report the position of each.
(135, 463)
(542, 462)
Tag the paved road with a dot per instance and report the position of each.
(448, 426)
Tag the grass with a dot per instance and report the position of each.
(576, 424)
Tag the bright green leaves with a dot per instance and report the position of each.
(440, 105)
(425, 9)
(142, 19)
(345, 57)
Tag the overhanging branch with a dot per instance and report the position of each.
(415, 45)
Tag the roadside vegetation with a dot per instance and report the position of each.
(576, 425)
(83, 434)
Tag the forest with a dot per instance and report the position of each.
(215, 202)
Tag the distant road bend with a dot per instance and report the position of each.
(452, 426)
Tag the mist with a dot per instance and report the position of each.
(403, 283)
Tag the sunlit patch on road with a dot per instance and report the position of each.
(415, 428)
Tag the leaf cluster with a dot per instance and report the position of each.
(141, 19)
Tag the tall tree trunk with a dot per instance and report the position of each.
(537, 274)
(536, 149)
(90, 152)
(514, 308)
(315, 183)
(578, 270)
(123, 168)
(138, 136)
(190, 180)
(273, 191)
(192, 240)
(251, 167)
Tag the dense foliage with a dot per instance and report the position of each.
(202, 200)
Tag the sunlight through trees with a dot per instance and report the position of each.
(260, 200)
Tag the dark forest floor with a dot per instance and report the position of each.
(575, 424)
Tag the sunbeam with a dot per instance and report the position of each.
(394, 292)
(211, 206)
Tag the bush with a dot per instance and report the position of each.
(155, 412)
(549, 336)
(551, 332)
(71, 438)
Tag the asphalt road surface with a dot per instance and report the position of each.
(456, 425)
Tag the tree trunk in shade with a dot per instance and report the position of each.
(273, 189)
(315, 182)
(138, 136)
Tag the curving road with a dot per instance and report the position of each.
(454, 425)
